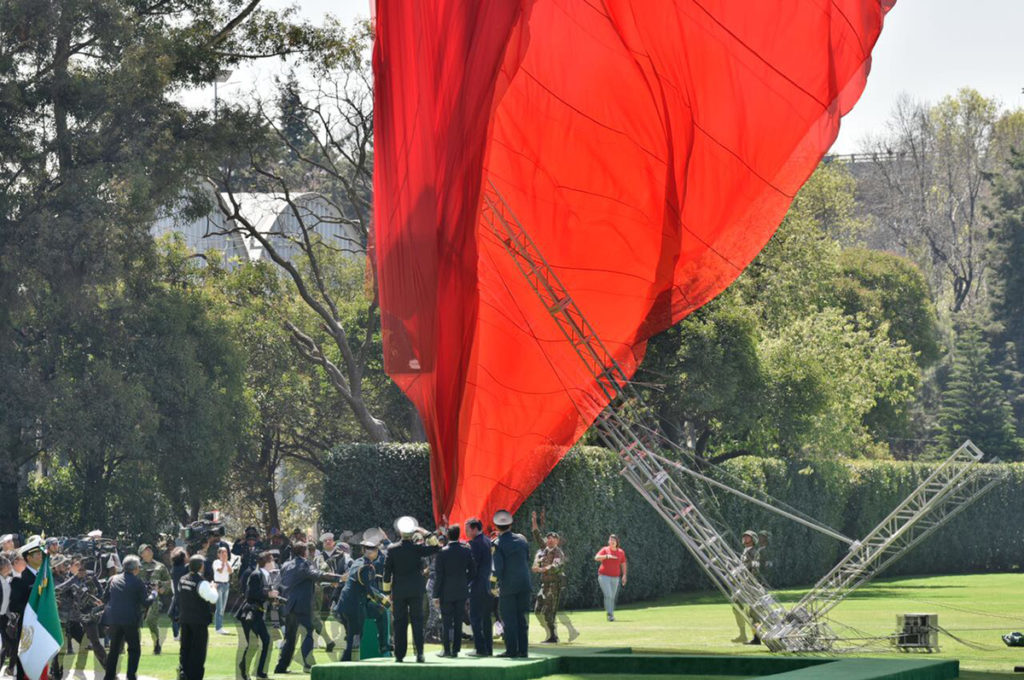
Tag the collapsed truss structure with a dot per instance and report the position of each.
(687, 501)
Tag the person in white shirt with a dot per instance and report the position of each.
(8, 645)
(222, 581)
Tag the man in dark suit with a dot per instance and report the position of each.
(298, 579)
(126, 597)
(512, 571)
(480, 598)
(21, 585)
(454, 570)
(404, 581)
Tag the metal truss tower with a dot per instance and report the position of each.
(688, 504)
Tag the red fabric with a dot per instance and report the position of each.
(649, 148)
(613, 566)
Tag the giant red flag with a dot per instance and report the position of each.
(649, 148)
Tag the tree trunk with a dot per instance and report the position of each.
(10, 478)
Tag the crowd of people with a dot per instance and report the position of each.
(291, 588)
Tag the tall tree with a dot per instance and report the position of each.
(93, 141)
(929, 182)
(974, 404)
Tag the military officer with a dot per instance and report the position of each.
(157, 579)
(405, 582)
(360, 587)
(549, 563)
(512, 572)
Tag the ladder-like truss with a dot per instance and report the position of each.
(945, 493)
(690, 507)
(676, 505)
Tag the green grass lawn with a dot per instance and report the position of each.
(977, 609)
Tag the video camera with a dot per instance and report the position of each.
(197, 533)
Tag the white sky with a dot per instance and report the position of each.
(928, 48)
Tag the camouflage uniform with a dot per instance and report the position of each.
(155, 575)
(751, 560)
(553, 559)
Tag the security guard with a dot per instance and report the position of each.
(157, 579)
(404, 581)
(196, 598)
(360, 587)
(549, 562)
(512, 573)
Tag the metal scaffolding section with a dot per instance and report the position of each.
(945, 493)
(677, 503)
(687, 501)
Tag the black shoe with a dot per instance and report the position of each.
(244, 672)
(398, 660)
(420, 659)
(279, 671)
(157, 649)
(755, 641)
(550, 641)
(505, 655)
(329, 647)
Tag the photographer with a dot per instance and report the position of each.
(179, 568)
(84, 614)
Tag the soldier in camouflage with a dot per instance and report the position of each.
(156, 578)
(749, 558)
(550, 564)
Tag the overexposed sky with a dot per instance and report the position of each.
(929, 48)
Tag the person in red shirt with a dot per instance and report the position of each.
(612, 559)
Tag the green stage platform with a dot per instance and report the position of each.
(597, 662)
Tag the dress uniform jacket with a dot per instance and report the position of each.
(512, 563)
(403, 568)
(481, 548)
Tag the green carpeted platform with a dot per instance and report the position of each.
(597, 662)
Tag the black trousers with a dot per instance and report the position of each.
(192, 656)
(292, 623)
(514, 608)
(406, 610)
(451, 625)
(253, 629)
(353, 622)
(480, 607)
(119, 635)
(9, 646)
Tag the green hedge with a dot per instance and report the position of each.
(586, 499)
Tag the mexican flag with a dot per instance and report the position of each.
(41, 636)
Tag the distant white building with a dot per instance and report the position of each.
(281, 223)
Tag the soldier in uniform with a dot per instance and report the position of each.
(749, 558)
(65, 604)
(21, 585)
(157, 580)
(549, 562)
(248, 551)
(511, 562)
(405, 583)
(360, 588)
